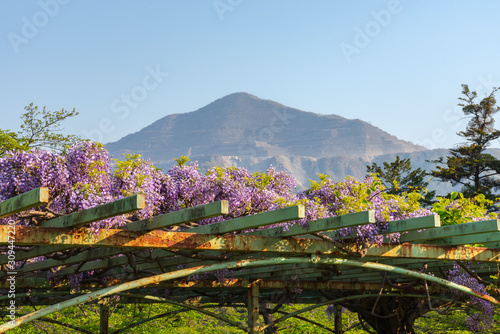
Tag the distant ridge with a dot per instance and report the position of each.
(243, 126)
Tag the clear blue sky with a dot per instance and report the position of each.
(124, 64)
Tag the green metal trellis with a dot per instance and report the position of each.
(263, 261)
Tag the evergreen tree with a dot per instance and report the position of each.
(399, 178)
(468, 164)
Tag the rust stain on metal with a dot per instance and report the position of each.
(485, 296)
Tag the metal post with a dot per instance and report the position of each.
(253, 309)
(104, 319)
(338, 319)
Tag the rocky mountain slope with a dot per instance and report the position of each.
(241, 129)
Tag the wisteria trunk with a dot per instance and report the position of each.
(391, 315)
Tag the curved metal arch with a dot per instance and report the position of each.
(229, 265)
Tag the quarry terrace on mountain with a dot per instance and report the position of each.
(243, 130)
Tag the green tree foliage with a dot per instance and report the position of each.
(458, 210)
(398, 177)
(9, 141)
(39, 129)
(468, 164)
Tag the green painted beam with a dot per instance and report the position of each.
(28, 282)
(24, 202)
(181, 216)
(479, 238)
(398, 226)
(492, 244)
(288, 274)
(452, 231)
(106, 254)
(36, 252)
(162, 258)
(270, 269)
(419, 251)
(253, 221)
(413, 224)
(163, 261)
(108, 210)
(230, 283)
(32, 294)
(320, 225)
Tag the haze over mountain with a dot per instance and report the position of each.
(241, 129)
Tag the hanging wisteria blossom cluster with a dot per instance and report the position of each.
(480, 315)
(354, 196)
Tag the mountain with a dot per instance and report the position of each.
(241, 129)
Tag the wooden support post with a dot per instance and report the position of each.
(253, 309)
(104, 319)
(338, 319)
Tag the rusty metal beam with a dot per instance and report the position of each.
(35, 235)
